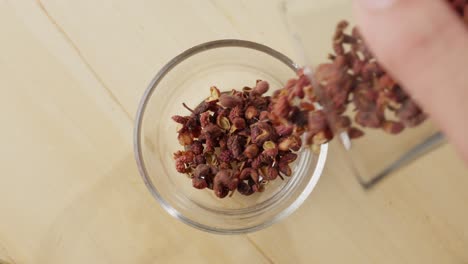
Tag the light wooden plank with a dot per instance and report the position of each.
(117, 221)
(70, 188)
(135, 40)
(415, 216)
(55, 140)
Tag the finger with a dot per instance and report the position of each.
(424, 45)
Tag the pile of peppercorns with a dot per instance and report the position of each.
(231, 144)
(243, 139)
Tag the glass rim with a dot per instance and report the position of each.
(223, 43)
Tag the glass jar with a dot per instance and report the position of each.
(311, 26)
(187, 78)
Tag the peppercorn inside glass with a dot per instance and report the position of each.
(232, 142)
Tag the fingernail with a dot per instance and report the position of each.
(376, 4)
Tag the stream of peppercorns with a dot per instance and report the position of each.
(241, 140)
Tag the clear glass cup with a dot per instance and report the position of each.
(311, 25)
(187, 78)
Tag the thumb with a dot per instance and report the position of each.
(423, 45)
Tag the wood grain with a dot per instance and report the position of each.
(67, 155)
(72, 75)
(414, 216)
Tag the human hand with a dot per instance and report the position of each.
(424, 45)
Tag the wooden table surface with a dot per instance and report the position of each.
(72, 74)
